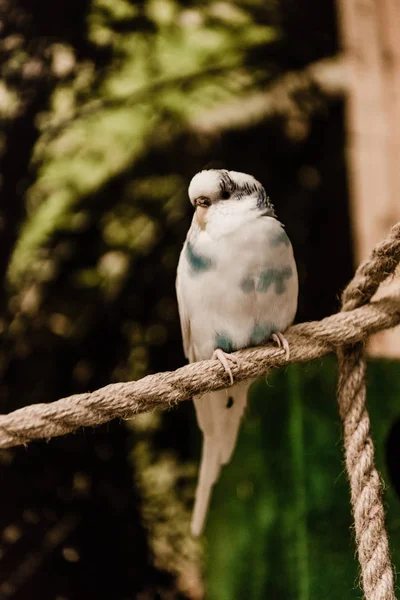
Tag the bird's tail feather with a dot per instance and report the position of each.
(233, 418)
(219, 415)
(209, 472)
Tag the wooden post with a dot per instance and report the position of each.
(370, 31)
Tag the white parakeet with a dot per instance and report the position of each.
(237, 287)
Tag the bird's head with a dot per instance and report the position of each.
(213, 189)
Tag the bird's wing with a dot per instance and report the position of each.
(183, 315)
(218, 413)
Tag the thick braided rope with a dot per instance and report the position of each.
(366, 490)
(163, 390)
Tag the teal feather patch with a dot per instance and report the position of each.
(197, 262)
(280, 238)
(261, 333)
(276, 277)
(223, 341)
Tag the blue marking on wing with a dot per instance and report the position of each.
(261, 333)
(198, 263)
(280, 238)
(223, 341)
(276, 277)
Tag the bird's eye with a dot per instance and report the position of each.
(203, 201)
(225, 195)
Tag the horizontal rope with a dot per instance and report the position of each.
(163, 390)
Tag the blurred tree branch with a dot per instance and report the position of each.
(281, 96)
(292, 95)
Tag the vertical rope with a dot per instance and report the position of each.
(366, 489)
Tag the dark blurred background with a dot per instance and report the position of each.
(108, 108)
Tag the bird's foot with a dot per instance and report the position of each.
(282, 342)
(224, 359)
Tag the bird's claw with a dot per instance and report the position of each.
(224, 359)
(282, 342)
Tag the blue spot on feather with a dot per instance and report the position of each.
(276, 277)
(197, 262)
(280, 238)
(223, 341)
(261, 333)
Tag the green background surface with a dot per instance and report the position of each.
(280, 523)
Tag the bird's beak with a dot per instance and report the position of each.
(202, 205)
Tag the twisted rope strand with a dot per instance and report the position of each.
(163, 390)
(382, 263)
(366, 490)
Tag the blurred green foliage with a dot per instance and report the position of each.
(100, 124)
(280, 522)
